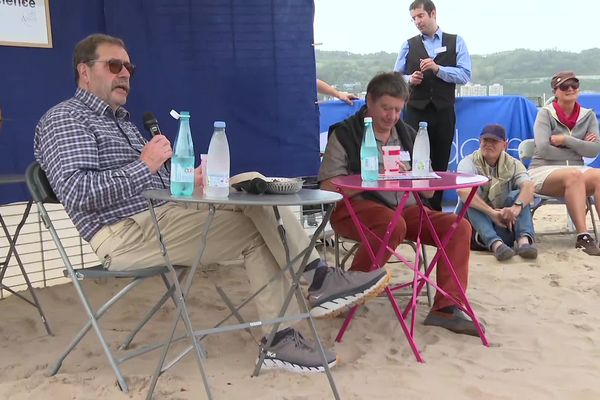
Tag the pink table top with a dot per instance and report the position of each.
(447, 181)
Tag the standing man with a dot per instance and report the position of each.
(433, 63)
(499, 212)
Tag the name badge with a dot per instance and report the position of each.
(440, 50)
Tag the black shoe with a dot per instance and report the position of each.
(588, 244)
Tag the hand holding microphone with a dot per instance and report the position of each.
(156, 153)
(158, 150)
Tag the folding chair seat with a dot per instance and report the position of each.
(340, 240)
(526, 149)
(42, 194)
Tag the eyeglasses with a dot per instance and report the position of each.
(566, 85)
(115, 65)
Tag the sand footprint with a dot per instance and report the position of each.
(584, 327)
(554, 279)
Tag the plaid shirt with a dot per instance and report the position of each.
(92, 158)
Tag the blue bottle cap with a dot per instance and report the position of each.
(219, 124)
(422, 124)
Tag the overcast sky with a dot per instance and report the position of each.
(488, 26)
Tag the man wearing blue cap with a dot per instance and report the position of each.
(499, 212)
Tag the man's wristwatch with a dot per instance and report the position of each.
(519, 203)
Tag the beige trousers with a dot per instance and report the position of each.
(249, 233)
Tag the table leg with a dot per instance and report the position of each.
(181, 312)
(295, 289)
(377, 260)
(441, 252)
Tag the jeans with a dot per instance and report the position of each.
(489, 232)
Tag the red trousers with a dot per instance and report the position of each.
(377, 217)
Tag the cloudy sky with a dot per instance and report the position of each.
(488, 26)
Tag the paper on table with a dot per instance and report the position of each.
(470, 179)
(408, 175)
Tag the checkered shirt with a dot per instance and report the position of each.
(91, 156)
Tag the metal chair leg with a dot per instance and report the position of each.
(591, 210)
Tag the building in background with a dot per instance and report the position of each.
(473, 90)
(495, 90)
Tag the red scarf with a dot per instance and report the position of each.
(568, 120)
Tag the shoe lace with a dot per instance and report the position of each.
(339, 273)
(299, 341)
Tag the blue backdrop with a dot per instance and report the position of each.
(247, 62)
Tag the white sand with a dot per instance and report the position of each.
(542, 321)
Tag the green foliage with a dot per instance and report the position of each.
(521, 72)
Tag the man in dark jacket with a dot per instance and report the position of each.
(386, 96)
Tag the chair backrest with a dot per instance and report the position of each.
(38, 185)
(526, 149)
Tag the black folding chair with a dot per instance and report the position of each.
(42, 194)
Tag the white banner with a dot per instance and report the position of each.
(25, 23)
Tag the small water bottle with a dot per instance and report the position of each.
(217, 168)
(420, 158)
(182, 162)
(369, 154)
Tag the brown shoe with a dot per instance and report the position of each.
(588, 244)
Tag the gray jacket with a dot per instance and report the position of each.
(547, 124)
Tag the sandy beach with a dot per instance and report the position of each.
(542, 323)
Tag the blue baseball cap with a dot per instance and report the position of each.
(493, 131)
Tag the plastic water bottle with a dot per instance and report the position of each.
(369, 154)
(182, 163)
(217, 167)
(420, 158)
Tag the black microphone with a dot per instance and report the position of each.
(151, 125)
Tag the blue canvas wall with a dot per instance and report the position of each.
(247, 62)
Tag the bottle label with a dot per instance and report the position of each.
(218, 181)
(370, 164)
(421, 165)
(181, 173)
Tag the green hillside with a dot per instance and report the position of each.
(521, 72)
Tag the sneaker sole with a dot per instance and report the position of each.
(273, 363)
(331, 309)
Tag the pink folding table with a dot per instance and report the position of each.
(447, 181)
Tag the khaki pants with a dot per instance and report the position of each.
(249, 233)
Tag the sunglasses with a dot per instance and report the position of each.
(115, 66)
(566, 85)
